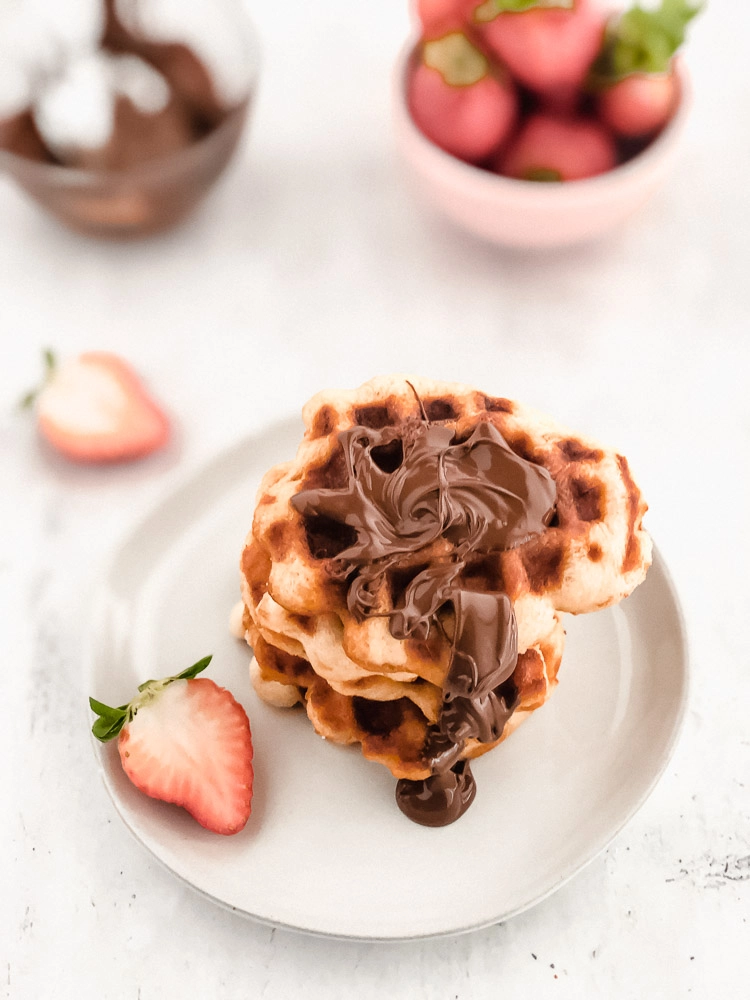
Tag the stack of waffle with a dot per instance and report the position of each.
(359, 683)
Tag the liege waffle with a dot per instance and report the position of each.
(358, 683)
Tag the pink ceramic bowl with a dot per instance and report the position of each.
(529, 214)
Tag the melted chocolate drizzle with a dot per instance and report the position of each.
(439, 799)
(406, 488)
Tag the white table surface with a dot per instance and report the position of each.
(310, 267)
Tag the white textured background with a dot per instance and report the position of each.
(312, 267)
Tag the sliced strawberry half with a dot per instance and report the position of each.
(95, 409)
(186, 741)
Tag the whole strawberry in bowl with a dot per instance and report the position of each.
(548, 47)
(457, 100)
(639, 86)
(594, 106)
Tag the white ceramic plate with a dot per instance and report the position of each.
(326, 849)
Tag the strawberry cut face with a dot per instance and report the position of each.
(190, 746)
(85, 399)
(95, 409)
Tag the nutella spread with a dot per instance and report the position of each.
(406, 488)
(439, 799)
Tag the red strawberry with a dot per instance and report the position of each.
(95, 409)
(439, 17)
(188, 742)
(635, 70)
(552, 148)
(639, 104)
(547, 48)
(456, 102)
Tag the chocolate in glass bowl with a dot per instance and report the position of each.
(154, 169)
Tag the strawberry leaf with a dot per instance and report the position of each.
(186, 675)
(196, 669)
(105, 731)
(28, 400)
(110, 721)
(50, 367)
(104, 710)
(644, 41)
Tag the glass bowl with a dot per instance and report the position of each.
(144, 198)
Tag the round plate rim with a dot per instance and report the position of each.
(96, 615)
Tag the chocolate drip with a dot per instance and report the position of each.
(439, 799)
(406, 488)
(440, 752)
(484, 654)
